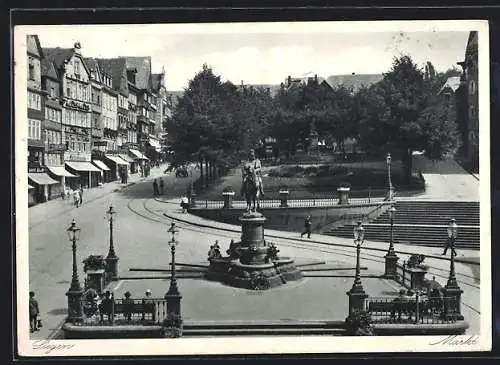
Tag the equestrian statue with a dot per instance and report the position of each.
(251, 187)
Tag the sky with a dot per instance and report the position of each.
(262, 54)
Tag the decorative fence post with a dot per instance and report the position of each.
(343, 195)
(95, 267)
(283, 193)
(404, 273)
(228, 195)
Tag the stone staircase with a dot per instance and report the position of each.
(423, 223)
(263, 328)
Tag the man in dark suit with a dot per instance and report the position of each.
(34, 312)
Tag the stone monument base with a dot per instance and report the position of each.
(253, 276)
(252, 263)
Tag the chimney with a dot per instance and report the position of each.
(315, 77)
(289, 80)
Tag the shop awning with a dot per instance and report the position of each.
(41, 178)
(60, 171)
(117, 160)
(82, 166)
(30, 187)
(138, 154)
(126, 158)
(101, 165)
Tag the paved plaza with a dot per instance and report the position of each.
(141, 241)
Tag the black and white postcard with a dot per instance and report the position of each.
(252, 188)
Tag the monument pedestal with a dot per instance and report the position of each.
(251, 267)
(417, 277)
(391, 262)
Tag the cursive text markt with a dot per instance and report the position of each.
(456, 340)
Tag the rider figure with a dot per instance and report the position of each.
(253, 165)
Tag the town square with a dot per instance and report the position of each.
(260, 200)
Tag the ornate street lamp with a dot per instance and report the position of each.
(452, 231)
(111, 259)
(391, 258)
(75, 292)
(391, 188)
(392, 215)
(357, 293)
(452, 291)
(173, 321)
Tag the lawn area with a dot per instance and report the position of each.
(308, 180)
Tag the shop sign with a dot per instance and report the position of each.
(72, 156)
(36, 169)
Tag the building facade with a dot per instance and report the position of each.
(54, 146)
(468, 112)
(38, 189)
(76, 99)
(96, 76)
(89, 118)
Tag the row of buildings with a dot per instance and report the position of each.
(90, 121)
(465, 90)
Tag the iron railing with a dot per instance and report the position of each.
(299, 203)
(417, 309)
(122, 312)
(403, 276)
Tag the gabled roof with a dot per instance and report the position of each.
(93, 66)
(115, 67)
(48, 69)
(36, 40)
(355, 81)
(452, 82)
(58, 55)
(157, 81)
(143, 67)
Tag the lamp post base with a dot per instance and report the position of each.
(111, 268)
(75, 305)
(357, 296)
(452, 306)
(172, 325)
(391, 261)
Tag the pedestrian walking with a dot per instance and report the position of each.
(76, 197)
(162, 186)
(34, 313)
(81, 194)
(155, 188)
(449, 245)
(307, 226)
(184, 204)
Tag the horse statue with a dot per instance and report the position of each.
(250, 189)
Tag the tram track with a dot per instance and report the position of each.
(312, 246)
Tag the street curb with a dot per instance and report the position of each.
(318, 242)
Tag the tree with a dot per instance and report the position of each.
(404, 113)
(216, 122)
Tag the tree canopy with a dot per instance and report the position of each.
(404, 112)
